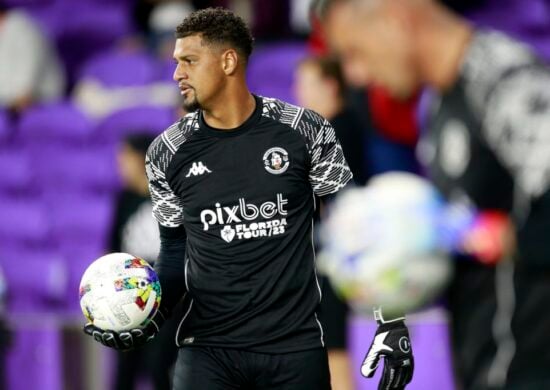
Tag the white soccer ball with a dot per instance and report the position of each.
(119, 292)
(382, 244)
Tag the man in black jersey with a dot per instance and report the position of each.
(486, 144)
(233, 186)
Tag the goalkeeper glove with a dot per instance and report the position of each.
(391, 342)
(128, 339)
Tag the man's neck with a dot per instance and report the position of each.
(230, 111)
(442, 45)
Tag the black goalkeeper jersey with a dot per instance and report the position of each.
(246, 200)
(488, 145)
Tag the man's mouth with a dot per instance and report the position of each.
(184, 89)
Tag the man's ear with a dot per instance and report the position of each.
(230, 61)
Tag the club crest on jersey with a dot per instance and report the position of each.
(276, 160)
(228, 233)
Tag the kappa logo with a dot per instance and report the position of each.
(198, 169)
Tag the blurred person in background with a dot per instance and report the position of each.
(155, 21)
(486, 145)
(319, 85)
(135, 232)
(30, 70)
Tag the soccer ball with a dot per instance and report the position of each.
(119, 292)
(382, 245)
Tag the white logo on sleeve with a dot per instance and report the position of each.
(198, 169)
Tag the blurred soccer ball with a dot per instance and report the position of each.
(382, 246)
(119, 291)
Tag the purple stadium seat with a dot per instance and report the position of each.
(77, 169)
(17, 170)
(149, 119)
(81, 225)
(35, 278)
(271, 69)
(121, 69)
(79, 216)
(28, 3)
(35, 360)
(53, 122)
(85, 28)
(25, 220)
(5, 126)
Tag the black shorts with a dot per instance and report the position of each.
(211, 368)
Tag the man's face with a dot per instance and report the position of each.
(131, 165)
(199, 71)
(311, 89)
(374, 46)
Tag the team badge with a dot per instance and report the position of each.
(276, 160)
(228, 234)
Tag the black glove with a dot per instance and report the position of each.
(129, 339)
(391, 342)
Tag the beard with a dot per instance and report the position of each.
(191, 104)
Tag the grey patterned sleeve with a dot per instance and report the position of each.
(516, 125)
(167, 207)
(509, 90)
(329, 170)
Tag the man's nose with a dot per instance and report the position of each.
(179, 74)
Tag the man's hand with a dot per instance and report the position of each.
(127, 340)
(392, 343)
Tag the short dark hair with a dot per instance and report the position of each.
(330, 68)
(139, 142)
(218, 26)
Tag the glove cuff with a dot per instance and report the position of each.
(381, 320)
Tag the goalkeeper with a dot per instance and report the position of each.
(486, 144)
(233, 186)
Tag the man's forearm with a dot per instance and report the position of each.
(170, 266)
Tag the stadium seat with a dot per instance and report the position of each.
(52, 123)
(149, 119)
(17, 170)
(79, 216)
(25, 220)
(121, 69)
(35, 360)
(75, 169)
(271, 69)
(35, 278)
(28, 3)
(5, 126)
(90, 29)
